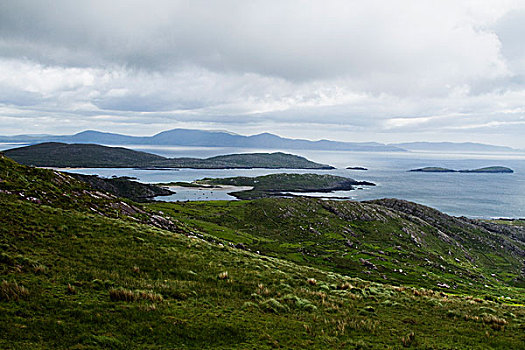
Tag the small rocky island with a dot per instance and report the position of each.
(281, 184)
(356, 168)
(490, 170)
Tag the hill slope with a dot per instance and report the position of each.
(390, 240)
(84, 269)
(54, 154)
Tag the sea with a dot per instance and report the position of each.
(459, 194)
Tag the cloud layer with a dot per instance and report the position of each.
(375, 70)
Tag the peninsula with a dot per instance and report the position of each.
(62, 155)
(280, 184)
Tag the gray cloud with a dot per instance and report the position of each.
(363, 69)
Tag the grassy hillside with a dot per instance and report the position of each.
(278, 184)
(390, 241)
(80, 272)
(54, 154)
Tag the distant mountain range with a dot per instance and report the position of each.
(205, 138)
(453, 147)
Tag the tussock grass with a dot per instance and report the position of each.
(344, 286)
(408, 340)
(122, 294)
(12, 291)
(311, 281)
(223, 275)
(40, 269)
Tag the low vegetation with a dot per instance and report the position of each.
(83, 272)
(387, 241)
(280, 184)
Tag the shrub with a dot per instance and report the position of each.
(362, 324)
(121, 294)
(344, 286)
(155, 297)
(262, 290)
(149, 307)
(303, 304)
(12, 291)
(311, 281)
(249, 305)
(274, 306)
(487, 310)
(369, 309)
(408, 339)
(40, 269)
(494, 320)
(453, 313)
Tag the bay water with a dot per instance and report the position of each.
(460, 194)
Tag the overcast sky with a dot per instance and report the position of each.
(381, 71)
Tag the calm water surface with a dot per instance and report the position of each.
(473, 195)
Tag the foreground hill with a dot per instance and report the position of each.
(62, 155)
(84, 269)
(386, 240)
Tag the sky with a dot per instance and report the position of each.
(384, 71)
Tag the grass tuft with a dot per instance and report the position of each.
(311, 281)
(12, 291)
(121, 294)
(408, 339)
(223, 275)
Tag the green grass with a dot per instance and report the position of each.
(264, 302)
(77, 278)
(279, 184)
(368, 240)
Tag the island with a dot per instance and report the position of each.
(432, 169)
(62, 155)
(356, 168)
(489, 170)
(281, 184)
